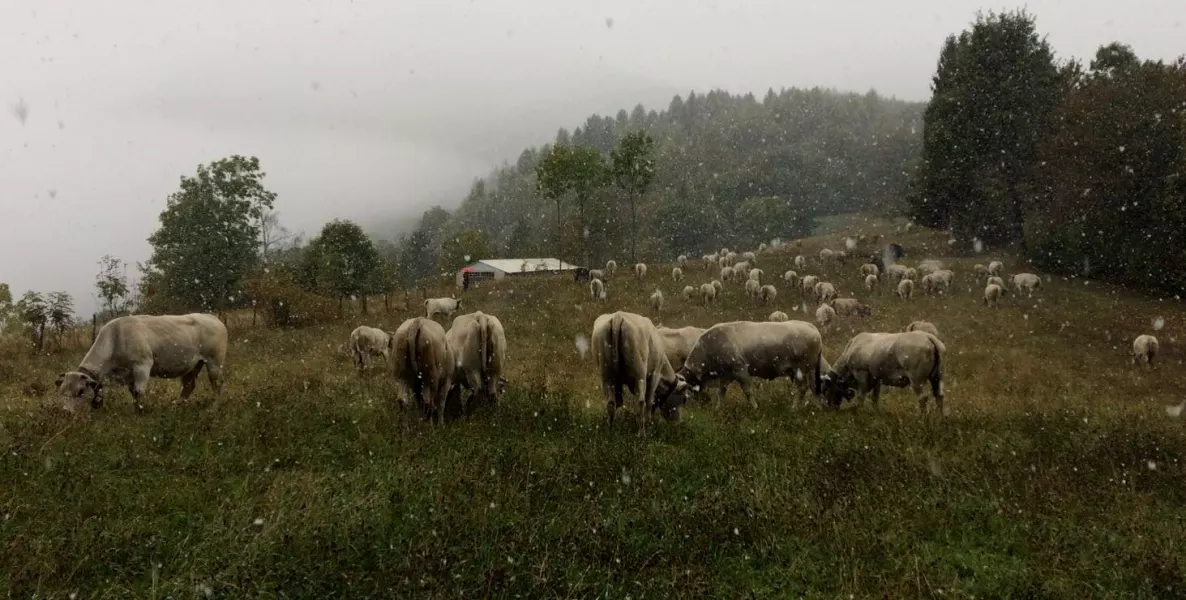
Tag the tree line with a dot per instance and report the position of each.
(1080, 167)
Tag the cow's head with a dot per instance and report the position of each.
(670, 397)
(76, 385)
(865, 310)
(836, 389)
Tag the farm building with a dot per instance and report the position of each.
(497, 268)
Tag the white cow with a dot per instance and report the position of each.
(630, 353)
(800, 262)
(778, 317)
(741, 350)
(597, 289)
(906, 289)
(640, 271)
(367, 342)
(824, 292)
(756, 275)
(727, 273)
(656, 301)
(926, 326)
(753, 289)
(912, 358)
(441, 306)
(851, 307)
(424, 366)
(681, 260)
(1144, 350)
(791, 277)
(896, 272)
(134, 348)
(750, 257)
(768, 293)
(1026, 282)
(708, 292)
(716, 285)
(992, 295)
(808, 284)
(824, 315)
(610, 267)
(677, 274)
(596, 274)
(870, 282)
(689, 291)
(996, 267)
(479, 346)
(994, 280)
(870, 269)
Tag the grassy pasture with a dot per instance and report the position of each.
(1057, 473)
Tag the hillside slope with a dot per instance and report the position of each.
(1057, 470)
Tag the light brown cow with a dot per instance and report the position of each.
(424, 366)
(479, 347)
(630, 353)
(870, 360)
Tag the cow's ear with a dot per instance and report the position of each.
(850, 393)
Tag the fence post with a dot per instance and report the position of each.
(94, 326)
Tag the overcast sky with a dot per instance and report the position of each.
(374, 109)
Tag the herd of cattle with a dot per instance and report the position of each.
(661, 367)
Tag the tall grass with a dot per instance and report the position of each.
(1057, 473)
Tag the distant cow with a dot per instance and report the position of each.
(630, 353)
(134, 348)
(479, 347)
(926, 326)
(1144, 350)
(640, 271)
(597, 289)
(367, 342)
(424, 366)
(580, 274)
(441, 306)
(913, 359)
(610, 267)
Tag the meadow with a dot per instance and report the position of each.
(1057, 472)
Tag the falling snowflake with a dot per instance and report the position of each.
(1176, 410)
(582, 343)
(978, 245)
(20, 110)
(850, 243)
(1158, 324)
(609, 22)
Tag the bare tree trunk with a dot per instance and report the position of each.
(364, 303)
(41, 338)
(94, 327)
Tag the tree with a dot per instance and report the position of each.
(209, 234)
(112, 284)
(272, 235)
(33, 311)
(570, 169)
(7, 308)
(60, 312)
(993, 100)
(633, 171)
(341, 262)
(464, 248)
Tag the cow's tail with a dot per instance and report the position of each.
(817, 374)
(937, 371)
(484, 355)
(615, 343)
(413, 364)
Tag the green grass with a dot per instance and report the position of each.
(1057, 472)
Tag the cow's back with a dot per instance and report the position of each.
(172, 343)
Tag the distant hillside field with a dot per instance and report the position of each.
(1057, 472)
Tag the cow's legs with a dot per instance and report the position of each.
(645, 394)
(743, 380)
(937, 392)
(189, 381)
(921, 394)
(612, 393)
(722, 387)
(214, 374)
(876, 393)
(139, 384)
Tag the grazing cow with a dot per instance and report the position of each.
(753, 289)
(656, 301)
(929, 266)
(994, 280)
(870, 282)
(678, 343)
(808, 284)
(768, 293)
(762, 247)
(931, 284)
(896, 272)
(596, 274)
(630, 353)
(824, 292)
(741, 350)
(610, 267)
(424, 366)
(441, 306)
(597, 289)
(1026, 282)
(826, 256)
(741, 269)
(906, 289)
(689, 291)
(800, 262)
(681, 260)
(870, 269)
(851, 307)
(926, 326)
(727, 273)
(910, 273)
(750, 257)
(824, 315)
(996, 267)
(980, 270)
(134, 348)
(366, 342)
(479, 348)
(791, 277)
(1144, 350)
(778, 317)
(756, 275)
(710, 260)
(723, 262)
(640, 271)
(912, 359)
(717, 285)
(708, 292)
(992, 294)
(677, 274)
